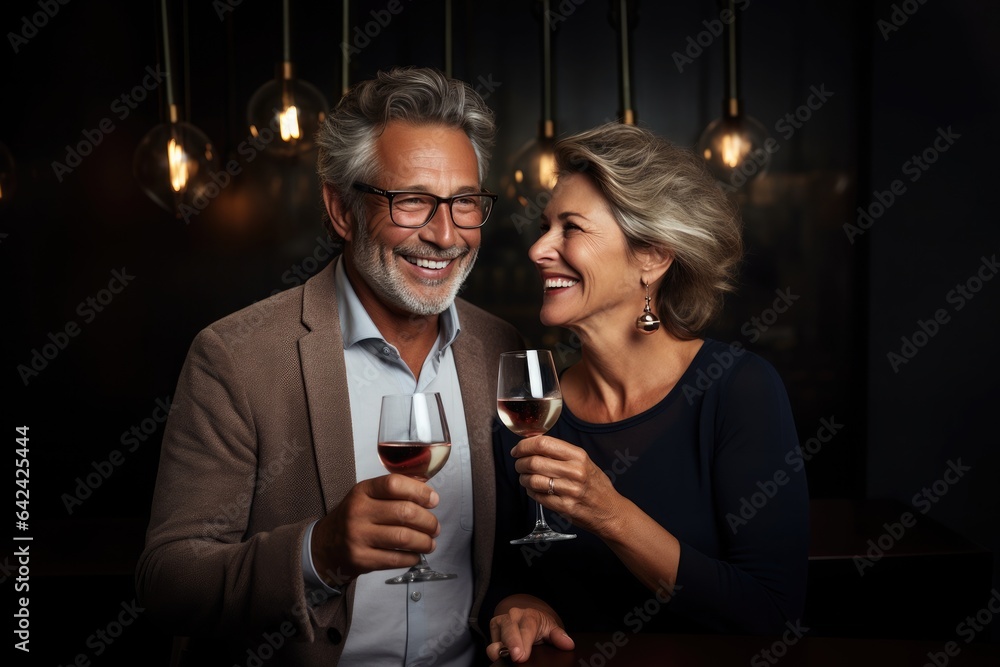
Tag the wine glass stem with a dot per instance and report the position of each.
(540, 518)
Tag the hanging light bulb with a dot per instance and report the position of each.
(533, 169)
(733, 145)
(285, 113)
(7, 173)
(174, 163)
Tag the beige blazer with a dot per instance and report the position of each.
(258, 445)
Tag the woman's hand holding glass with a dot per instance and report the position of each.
(529, 402)
(581, 491)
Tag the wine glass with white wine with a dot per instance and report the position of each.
(529, 402)
(413, 440)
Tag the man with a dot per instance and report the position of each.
(274, 526)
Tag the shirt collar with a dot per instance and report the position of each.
(356, 324)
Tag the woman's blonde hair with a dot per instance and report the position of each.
(664, 197)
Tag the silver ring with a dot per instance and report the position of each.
(552, 487)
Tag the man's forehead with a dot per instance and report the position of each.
(401, 135)
(411, 153)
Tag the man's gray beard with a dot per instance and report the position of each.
(387, 282)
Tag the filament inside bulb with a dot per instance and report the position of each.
(288, 122)
(177, 160)
(733, 149)
(547, 170)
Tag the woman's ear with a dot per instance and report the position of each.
(341, 217)
(655, 262)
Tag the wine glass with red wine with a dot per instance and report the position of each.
(413, 440)
(529, 403)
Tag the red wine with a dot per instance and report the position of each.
(414, 460)
(529, 416)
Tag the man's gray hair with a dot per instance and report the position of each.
(421, 96)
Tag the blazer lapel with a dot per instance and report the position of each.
(325, 376)
(479, 399)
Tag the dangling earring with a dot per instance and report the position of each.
(647, 323)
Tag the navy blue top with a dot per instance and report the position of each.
(714, 464)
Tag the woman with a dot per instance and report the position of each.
(669, 458)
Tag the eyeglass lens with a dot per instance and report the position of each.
(414, 209)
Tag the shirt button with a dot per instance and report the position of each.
(415, 596)
(385, 350)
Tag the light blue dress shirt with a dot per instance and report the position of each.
(420, 623)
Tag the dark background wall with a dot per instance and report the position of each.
(936, 237)
(63, 235)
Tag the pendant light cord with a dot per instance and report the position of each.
(628, 115)
(732, 101)
(547, 121)
(187, 63)
(447, 38)
(166, 62)
(345, 55)
(286, 32)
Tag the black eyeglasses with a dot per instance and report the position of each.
(415, 209)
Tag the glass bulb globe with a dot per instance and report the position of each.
(733, 148)
(7, 173)
(285, 113)
(533, 172)
(174, 164)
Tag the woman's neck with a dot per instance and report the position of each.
(625, 373)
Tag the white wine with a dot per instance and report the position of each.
(529, 416)
(417, 460)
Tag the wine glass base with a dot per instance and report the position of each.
(544, 536)
(420, 575)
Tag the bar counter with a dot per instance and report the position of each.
(649, 650)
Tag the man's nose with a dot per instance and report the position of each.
(441, 228)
